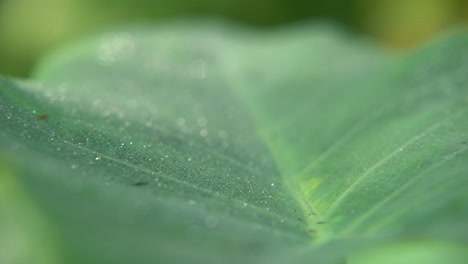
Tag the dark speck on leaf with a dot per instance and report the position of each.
(42, 117)
(320, 222)
(311, 230)
(139, 184)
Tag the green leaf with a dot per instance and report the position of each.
(197, 142)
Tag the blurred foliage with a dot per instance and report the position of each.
(29, 28)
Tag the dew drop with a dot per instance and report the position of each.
(203, 132)
(115, 47)
(98, 158)
(197, 69)
(222, 134)
(181, 121)
(189, 159)
(202, 121)
(211, 221)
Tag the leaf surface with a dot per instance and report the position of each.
(213, 143)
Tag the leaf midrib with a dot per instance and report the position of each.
(294, 185)
(307, 205)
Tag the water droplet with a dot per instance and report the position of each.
(222, 134)
(181, 121)
(202, 121)
(401, 149)
(115, 47)
(98, 158)
(196, 69)
(74, 166)
(189, 159)
(203, 132)
(211, 221)
(245, 204)
(272, 184)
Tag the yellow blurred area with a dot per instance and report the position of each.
(30, 28)
(404, 23)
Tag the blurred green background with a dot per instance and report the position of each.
(30, 28)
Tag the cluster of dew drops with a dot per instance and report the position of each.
(122, 45)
